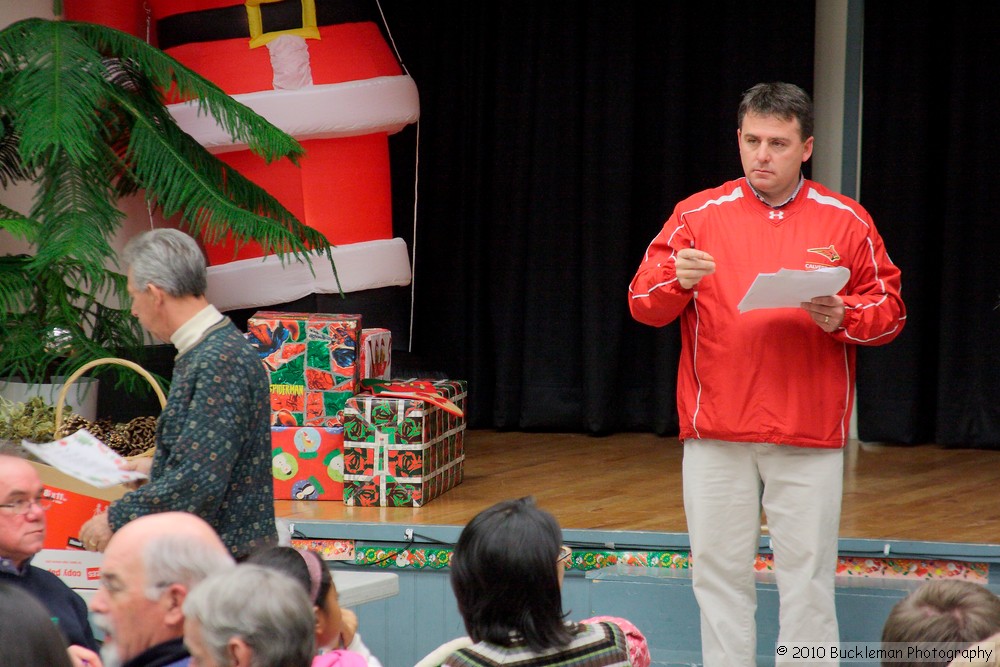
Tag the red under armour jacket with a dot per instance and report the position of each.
(768, 375)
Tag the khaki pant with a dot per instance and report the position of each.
(725, 486)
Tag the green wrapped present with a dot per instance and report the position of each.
(403, 451)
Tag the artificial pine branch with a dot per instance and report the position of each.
(83, 117)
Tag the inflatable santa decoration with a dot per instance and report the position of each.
(321, 71)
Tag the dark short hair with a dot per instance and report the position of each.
(27, 634)
(292, 562)
(949, 611)
(783, 100)
(504, 575)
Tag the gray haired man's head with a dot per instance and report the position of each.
(169, 259)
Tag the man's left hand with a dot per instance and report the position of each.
(96, 533)
(826, 311)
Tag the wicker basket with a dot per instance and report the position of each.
(61, 399)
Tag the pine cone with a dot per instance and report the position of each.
(140, 433)
(117, 442)
(102, 430)
(71, 425)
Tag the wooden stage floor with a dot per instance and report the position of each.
(632, 481)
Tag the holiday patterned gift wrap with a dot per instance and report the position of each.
(376, 354)
(311, 359)
(403, 452)
(307, 463)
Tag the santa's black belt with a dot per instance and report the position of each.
(211, 25)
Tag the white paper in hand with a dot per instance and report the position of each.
(788, 288)
(86, 458)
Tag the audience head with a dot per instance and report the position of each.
(150, 566)
(249, 616)
(166, 280)
(28, 635)
(22, 510)
(948, 611)
(506, 572)
(169, 259)
(309, 569)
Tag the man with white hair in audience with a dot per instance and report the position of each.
(250, 616)
(150, 567)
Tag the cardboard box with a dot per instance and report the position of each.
(402, 452)
(75, 502)
(376, 354)
(77, 569)
(308, 463)
(312, 363)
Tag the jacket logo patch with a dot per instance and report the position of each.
(828, 252)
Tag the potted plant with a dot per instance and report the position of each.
(83, 118)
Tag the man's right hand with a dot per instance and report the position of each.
(692, 265)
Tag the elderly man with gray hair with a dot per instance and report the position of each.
(250, 616)
(150, 567)
(213, 439)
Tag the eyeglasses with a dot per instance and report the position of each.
(564, 553)
(22, 506)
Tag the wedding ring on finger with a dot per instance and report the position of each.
(826, 319)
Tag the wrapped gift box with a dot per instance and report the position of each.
(307, 463)
(376, 354)
(312, 363)
(402, 452)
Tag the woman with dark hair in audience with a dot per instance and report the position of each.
(339, 643)
(28, 634)
(507, 572)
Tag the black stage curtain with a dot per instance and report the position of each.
(555, 138)
(929, 164)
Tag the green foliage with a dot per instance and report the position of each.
(34, 420)
(83, 117)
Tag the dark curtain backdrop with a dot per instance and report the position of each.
(929, 177)
(555, 138)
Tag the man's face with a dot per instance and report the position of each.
(200, 655)
(145, 307)
(131, 622)
(21, 535)
(772, 152)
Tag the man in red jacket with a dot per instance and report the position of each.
(765, 396)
